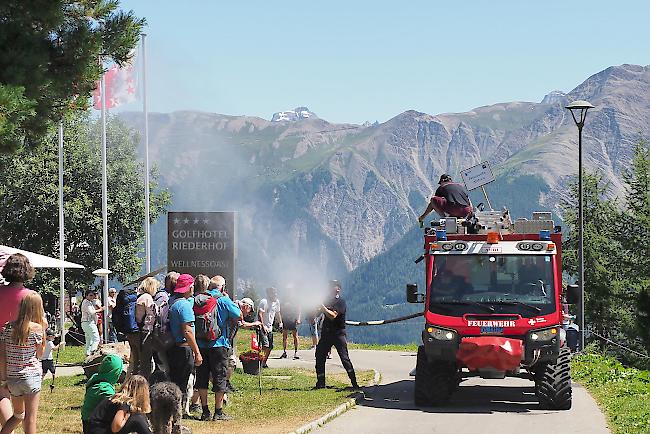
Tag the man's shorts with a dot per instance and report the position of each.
(48, 366)
(215, 365)
(451, 209)
(291, 325)
(267, 340)
(24, 386)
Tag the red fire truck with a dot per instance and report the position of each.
(493, 302)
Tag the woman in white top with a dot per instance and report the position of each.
(141, 342)
(89, 312)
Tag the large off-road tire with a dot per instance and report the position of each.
(434, 382)
(553, 383)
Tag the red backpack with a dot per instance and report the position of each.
(206, 318)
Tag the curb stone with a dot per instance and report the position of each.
(338, 410)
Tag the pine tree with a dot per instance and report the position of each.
(643, 315)
(608, 300)
(49, 60)
(636, 233)
(637, 215)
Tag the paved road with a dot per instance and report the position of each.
(480, 406)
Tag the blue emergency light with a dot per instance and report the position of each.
(545, 235)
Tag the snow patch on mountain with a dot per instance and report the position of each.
(293, 115)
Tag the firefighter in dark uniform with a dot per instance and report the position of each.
(333, 333)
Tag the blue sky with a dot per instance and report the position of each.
(352, 61)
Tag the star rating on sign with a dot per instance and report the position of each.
(192, 221)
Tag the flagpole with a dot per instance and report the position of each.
(61, 239)
(147, 234)
(104, 210)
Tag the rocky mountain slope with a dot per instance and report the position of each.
(334, 196)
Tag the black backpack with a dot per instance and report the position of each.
(162, 335)
(124, 312)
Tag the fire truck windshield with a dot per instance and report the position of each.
(521, 284)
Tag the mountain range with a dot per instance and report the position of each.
(316, 198)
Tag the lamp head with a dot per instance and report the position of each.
(102, 272)
(581, 107)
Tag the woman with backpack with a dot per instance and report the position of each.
(141, 341)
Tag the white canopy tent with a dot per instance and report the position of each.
(37, 261)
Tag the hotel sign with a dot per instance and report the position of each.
(202, 243)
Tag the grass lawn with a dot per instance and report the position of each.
(71, 355)
(285, 403)
(304, 343)
(623, 393)
(74, 355)
(243, 342)
(412, 348)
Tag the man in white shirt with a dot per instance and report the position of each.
(268, 308)
(89, 312)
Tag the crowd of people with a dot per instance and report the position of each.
(181, 336)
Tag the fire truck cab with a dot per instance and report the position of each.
(493, 306)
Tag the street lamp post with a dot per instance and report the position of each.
(578, 111)
(103, 273)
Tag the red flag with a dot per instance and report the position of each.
(121, 87)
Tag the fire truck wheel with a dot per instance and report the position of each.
(553, 383)
(434, 382)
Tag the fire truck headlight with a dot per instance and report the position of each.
(441, 334)
(544, 335)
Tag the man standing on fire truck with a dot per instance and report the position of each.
(450, 199)
(333, 333)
